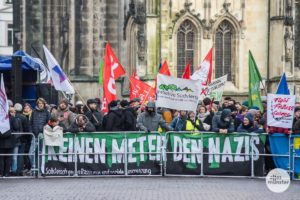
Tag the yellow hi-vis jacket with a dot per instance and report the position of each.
(190, 127)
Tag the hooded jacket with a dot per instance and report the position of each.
(252, 127)
(114, 121)
(130, 119)
(218, 122)
(151, 122)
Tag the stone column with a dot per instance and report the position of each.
(86, 38)
(96, 37)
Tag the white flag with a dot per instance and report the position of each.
(204, 73)
(216, 88)
(45, 76)
(59, 79)
(4, 118)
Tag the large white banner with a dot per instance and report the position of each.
(177, 93)
(216, 88)
(280, 110)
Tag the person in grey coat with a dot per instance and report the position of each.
(150, 120)
(223, 123)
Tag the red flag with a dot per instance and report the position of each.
(135, 75)
(111, 72)
(204, 72)
(141, 90)
(187, 71)
(165, 69)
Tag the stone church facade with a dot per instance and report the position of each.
(143, 33)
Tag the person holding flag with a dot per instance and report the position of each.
(7, 140)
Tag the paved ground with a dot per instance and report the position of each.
(142, 188)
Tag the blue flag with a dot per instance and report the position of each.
(283, 87)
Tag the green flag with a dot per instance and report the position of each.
(101, 72)
(254, 84)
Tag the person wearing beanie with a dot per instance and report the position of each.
(64, 115)
(130, 116)
(150, 120)
(19, 124)
(248, 125)
(94, 115)
(114, 120)
(223, 123)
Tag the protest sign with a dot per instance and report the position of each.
(104, 154)
(177, 93)
(216, 88)
(280, 110)
(228, 154)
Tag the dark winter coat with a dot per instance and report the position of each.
(219, 123)
(39, 119)
(89, 127)
(91, 115)
(7, 140)
(130, 119)
(114, 121)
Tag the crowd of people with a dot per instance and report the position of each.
(211, 116)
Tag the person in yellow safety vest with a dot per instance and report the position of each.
(193, 124)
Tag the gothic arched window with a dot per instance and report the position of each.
(223, 50)
(185, 46)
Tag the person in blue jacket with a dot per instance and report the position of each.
(248, 125)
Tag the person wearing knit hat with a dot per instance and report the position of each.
(18, 107)
(79, 103)
(114, 120)
(10, 103)
(64, 115)
(249, 125)
(94, 115)
(130, 116)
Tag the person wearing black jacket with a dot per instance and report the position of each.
(129, 115)
(94, 116)
(39, 118)
(81, 124)
(114, 120)
(7, 141)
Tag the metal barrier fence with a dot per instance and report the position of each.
(34, 169)
(127, 159)
(295, 160)
(202, 153)
(120, 167)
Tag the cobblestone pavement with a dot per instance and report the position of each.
(142, 188)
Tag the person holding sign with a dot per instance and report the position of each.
(223, 123)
